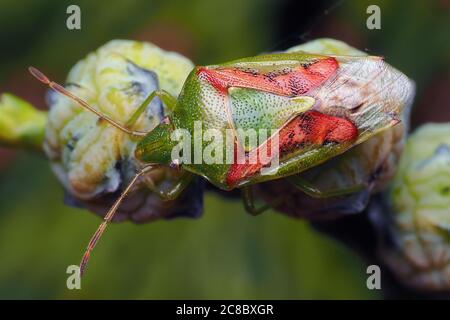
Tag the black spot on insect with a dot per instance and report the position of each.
(71, 201)
(249, 71)
(294, 86)
(446, 190)
(300, 145)
(118, 165)
(101, 121)
(329, 143)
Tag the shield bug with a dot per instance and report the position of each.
(307, 107)
(343, 185)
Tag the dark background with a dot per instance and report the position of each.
(225, 254)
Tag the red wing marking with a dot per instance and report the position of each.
(311, 128)
(293, 83)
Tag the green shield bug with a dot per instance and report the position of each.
(342, 185)
(303, 109)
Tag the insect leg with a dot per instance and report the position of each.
(249, 202)
(174, 191)
(315, 192)
(108, 218)
(59, 88)
(165, 97)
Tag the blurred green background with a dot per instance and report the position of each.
(226, 253)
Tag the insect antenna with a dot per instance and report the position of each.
(107, 219)
(59, 88)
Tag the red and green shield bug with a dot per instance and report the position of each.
(306, 107)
